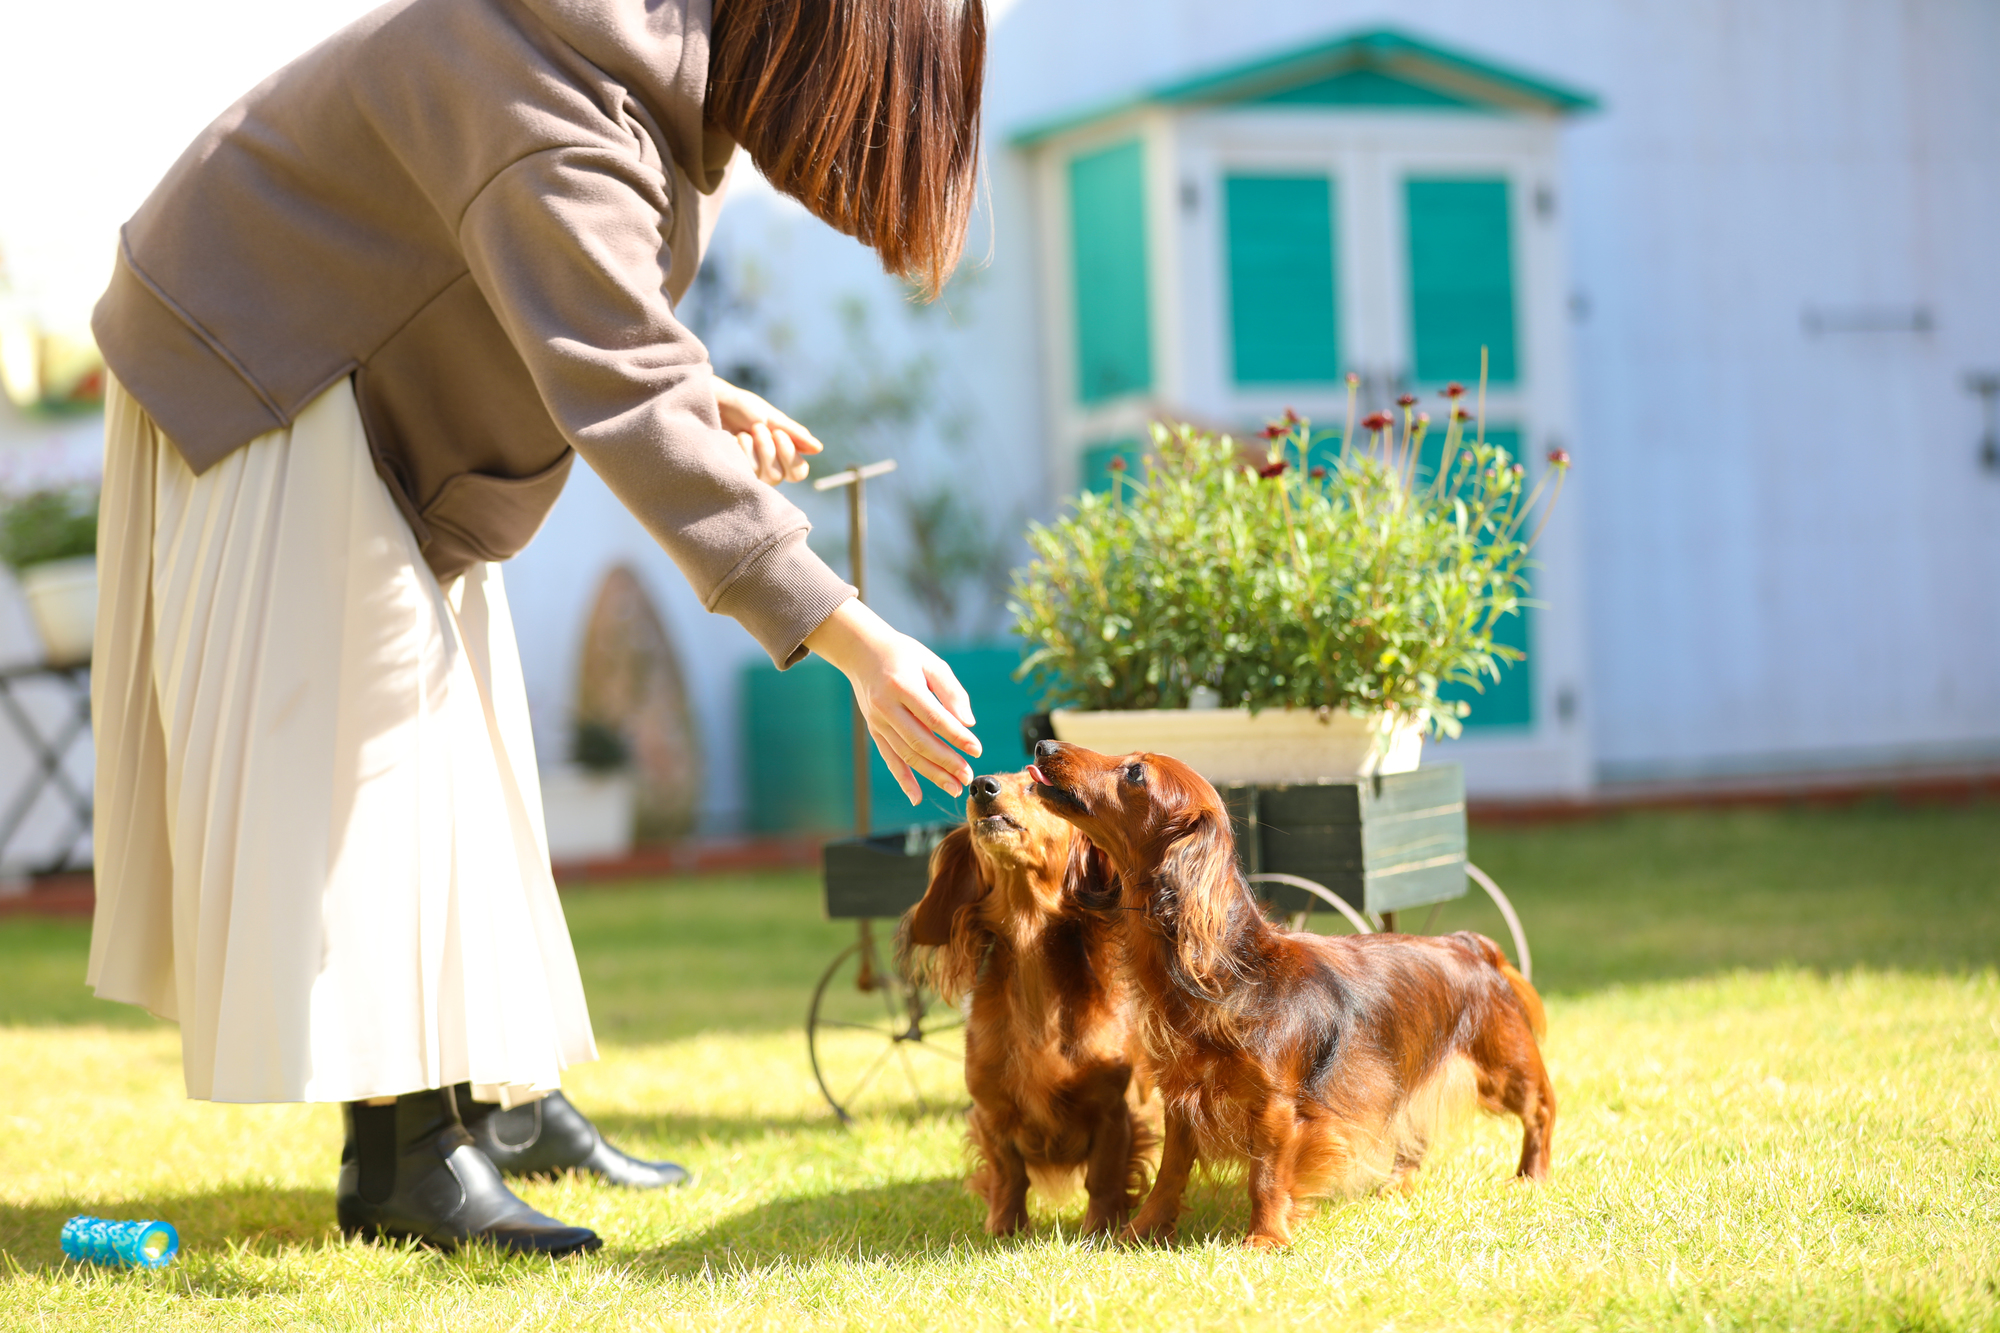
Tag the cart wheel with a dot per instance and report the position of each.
(1320, 891)
(1522, 959)
(880, 1043)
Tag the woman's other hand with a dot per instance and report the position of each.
(908, 697)
(776, 445)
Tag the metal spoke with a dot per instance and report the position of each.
(938, 1051)
(874, 1066)
(858, 1027)
(910, 1073)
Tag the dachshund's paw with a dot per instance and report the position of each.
(1266, 1240)
(1006, 1225)
(1095, 1227)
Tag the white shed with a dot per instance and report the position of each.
(1239, 241)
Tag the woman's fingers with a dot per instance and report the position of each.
(790, 461)
(898, 769)
(760, 466)
(767, 454)
(932, 716)
(926, 752)
(946, 689)
(807, 442)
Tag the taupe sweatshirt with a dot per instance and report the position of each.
(484, 212)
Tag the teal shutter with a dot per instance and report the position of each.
(1097, 458)
(1283, 311)
(1508, 702)
(1461, 279)
(798, 729)
(1107, 206)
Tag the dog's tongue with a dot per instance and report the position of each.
(1036, 775)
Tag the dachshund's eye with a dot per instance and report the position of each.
(1135, 773)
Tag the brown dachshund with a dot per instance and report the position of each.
(1325, 1064)
(1050, 1036)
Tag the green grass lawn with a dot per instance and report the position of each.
(1775, 1036)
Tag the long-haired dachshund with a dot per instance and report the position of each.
(1050, 1038)
(1325, 1064)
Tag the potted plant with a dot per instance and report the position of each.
(589, 806)
(49, 538)
(1286, 613)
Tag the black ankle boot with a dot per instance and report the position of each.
(410, 1172)
(548, 1136)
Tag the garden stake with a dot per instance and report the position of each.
(855, 479)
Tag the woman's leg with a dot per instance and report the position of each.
(409, 1171)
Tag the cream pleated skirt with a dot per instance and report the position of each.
(319, 841)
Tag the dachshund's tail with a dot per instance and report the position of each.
(1524, 991)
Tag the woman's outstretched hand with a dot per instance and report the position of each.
(776, 445)
(908, 697)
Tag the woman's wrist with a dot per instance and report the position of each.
(850, 637)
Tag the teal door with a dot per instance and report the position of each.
(1461, 279)
(1284, 315)
(1107, 203)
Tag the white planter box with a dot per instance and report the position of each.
(62, 598)
(589, 817)
(1230, 745)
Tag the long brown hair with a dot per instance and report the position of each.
(865, 111)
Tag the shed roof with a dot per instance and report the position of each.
(1377, 67)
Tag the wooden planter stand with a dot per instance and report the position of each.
(1383, 844)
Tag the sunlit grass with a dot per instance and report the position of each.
(1794, 1122)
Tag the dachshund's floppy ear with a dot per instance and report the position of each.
(1090, 879)
(955, 883)
(940, 925)
(1197, 876)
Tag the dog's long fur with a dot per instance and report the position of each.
(1049, 1038)
(1325, 1064)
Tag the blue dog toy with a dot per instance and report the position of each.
(95, 1240)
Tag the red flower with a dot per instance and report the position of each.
(1558, 458)
(1460, 414)
(1377, 421)
(1317, 474)
(1407, 400)
(1291, 417)
(1272, 468)
(1454, 390)
(1273, 431)
(1117, 463)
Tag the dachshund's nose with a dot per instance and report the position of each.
(1046, 749)
(986, 790)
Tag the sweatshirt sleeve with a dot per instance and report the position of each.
(569, 248)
